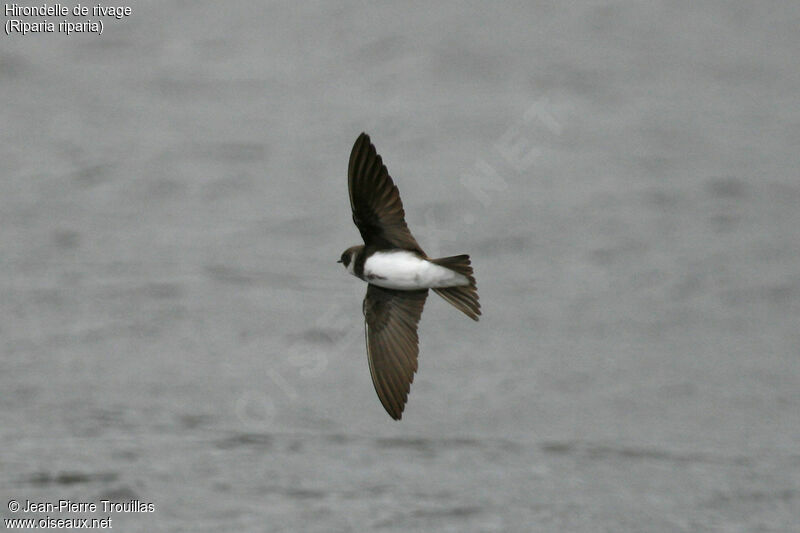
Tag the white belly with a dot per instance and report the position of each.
(406, 271)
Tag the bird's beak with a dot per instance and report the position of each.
(339, 261)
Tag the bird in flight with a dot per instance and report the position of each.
(398, 274)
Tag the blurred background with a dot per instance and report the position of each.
(174, 327)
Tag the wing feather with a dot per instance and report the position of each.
(375, 201)
(391, 319)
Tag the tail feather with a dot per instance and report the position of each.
(464, 297)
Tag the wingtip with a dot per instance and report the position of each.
(395, 411)
(361, 141)
(395, 415)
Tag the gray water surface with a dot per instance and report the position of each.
(174, 328)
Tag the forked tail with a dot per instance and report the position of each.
(463, 297)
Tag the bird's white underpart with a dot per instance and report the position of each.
(403, 270)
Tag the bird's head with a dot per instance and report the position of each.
(349, 256)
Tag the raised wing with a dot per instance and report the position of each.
(375, 201)
(391, 319)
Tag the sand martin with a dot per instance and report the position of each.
(398, 274)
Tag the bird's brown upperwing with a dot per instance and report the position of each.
(391, 319)
(375, 201)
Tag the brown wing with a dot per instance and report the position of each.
(391, 319)
(375, 200)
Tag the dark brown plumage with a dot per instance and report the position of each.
(391, 319)
(377, 209)
(391, 316)
(464, 297)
